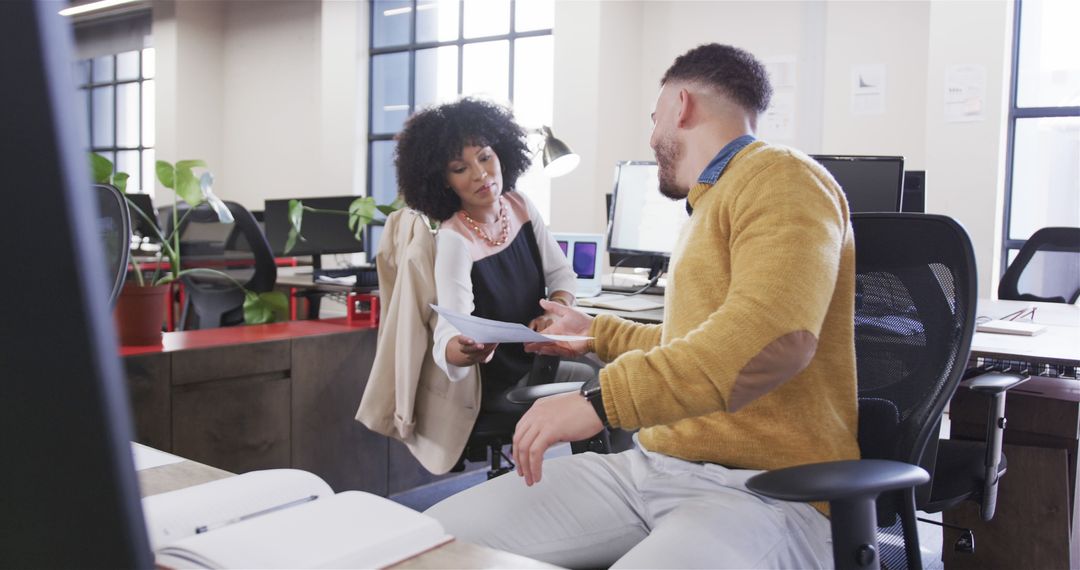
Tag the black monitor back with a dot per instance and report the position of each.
(914, 191)
(324, 233)
(143, 223)
(68, 491)
(871, 183)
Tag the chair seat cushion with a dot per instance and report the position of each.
(958, 474)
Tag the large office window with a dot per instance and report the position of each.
(1043, 164)
(430, 51)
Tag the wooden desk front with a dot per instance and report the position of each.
(1036, 521)
(267, 396)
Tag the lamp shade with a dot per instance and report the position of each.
(558, 158)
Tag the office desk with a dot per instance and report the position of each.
(455, 554)
(650, 316)
(1036, 521)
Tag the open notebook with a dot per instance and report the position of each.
(283, 518)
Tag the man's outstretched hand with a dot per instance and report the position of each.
(567, 321)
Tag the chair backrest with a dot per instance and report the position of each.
(1046, 269)
(239, 249)
(914, 318)
(114, 226)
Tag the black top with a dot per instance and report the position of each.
(508, 286)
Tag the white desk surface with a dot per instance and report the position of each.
(1060, 343)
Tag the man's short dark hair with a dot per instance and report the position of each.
(435, 136)
(729, 70)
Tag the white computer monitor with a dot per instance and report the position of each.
(644, 223)
(584, 252)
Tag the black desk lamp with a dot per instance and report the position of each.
(557, 157)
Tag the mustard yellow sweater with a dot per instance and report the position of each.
(754, 364)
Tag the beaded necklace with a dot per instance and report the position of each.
(475, 225)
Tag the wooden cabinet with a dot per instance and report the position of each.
(268, 396)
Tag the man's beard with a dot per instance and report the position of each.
(668, 153)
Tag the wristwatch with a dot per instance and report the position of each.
(591, 391)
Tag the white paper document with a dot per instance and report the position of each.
(486, 330)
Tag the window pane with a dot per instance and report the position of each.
(149, 178)
(82, 72)
(103, 68)
(534, 183)
(437, 20)
(148, 113)
(533, 80)
(149, 63)
(101, 116)
(127, 66)
(486, 18)
(1049, 67)
(487, 70)
(436, 75)
(127, 115)
(391, 22)
(128, 161)
(534, 15)
(1046, 175)
(389, 92)
(383, 176)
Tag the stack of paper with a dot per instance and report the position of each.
(1010, 327)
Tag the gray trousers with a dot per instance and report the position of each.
(638, 509)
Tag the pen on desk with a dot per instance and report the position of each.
(266, 511)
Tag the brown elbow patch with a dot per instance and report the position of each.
(775, 364)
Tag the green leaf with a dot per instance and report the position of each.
(187, 186)
(189, 164)
(120, 181)
(361, 212)
(266, 307)
(165, 173)
(291, 241)
(101, 167)
(296, 214)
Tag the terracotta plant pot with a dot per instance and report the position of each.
(139, 313)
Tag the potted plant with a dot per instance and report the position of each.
(141, 305)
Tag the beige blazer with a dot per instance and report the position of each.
(408, 397)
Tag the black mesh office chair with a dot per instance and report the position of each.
(494, 429)
(914, 319)
(114, 226)
(1046, 269)
(240, 249)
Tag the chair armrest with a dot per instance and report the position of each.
(530, 394)
(994, 382)
(837, 480)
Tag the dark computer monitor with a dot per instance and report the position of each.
(68, 489)
(324, 233)
(143, 226)
(871, 183)
(914, 191)
(643, 223)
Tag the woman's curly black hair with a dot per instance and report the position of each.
(435, 136)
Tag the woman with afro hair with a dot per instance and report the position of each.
(457, 163)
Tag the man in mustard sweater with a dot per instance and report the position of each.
(753, 367)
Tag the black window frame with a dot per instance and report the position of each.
(413, 46)
(146, 183)
(1015, 113)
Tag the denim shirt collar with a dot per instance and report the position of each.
(716, 167)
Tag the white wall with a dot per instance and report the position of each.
(265, 92)
(965, 162)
